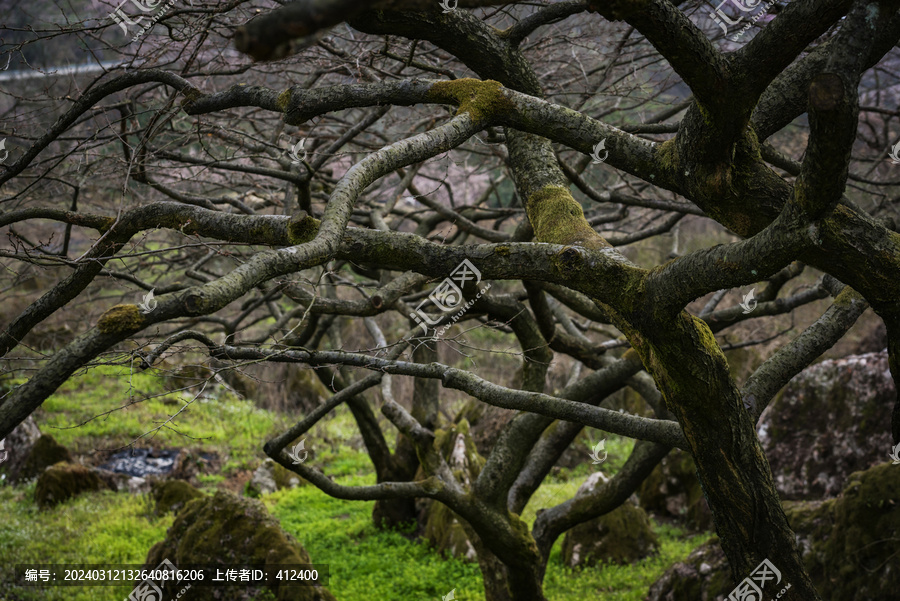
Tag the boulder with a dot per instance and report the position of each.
(622, 536)
(848, 545)
(17, 447)
(172, 495)
(831, 420)
(704, 576)
(226, 529)
(269, 477)
(45, 452)
(673, 490)
(64, 481)
(191, 463)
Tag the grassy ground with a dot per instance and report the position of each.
(364, 563)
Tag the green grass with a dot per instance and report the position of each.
(364, 563)
(111, 406)
(100, 528)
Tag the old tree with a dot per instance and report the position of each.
(439, 134)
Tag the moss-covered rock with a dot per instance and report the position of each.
(827, 423)
(172, 495)
(269, 477)
(848, 546)
(64, 481)
(45, 452)
(622, 536)
(229, 530)
(703, 576)
(673, 490)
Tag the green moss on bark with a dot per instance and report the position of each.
(283, 100)
(119, 319)
(557, 218)
(483, 100)
(302, 228)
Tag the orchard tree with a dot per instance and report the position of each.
(269, 173)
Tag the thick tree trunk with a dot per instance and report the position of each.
(404, 463)
(520, 582)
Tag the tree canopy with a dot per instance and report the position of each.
(366, 187)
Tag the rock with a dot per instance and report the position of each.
(231, 531)
(673, 490)
(172, 495)
(64, 481)
(269, 477)
(45, 452)
(137, 485)
(848, 545)
(704, 576)
(113, 480)
(443, 527)
(143, 462)
(831, 420)
(190, 463)
(622, 536)
(18, 445)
